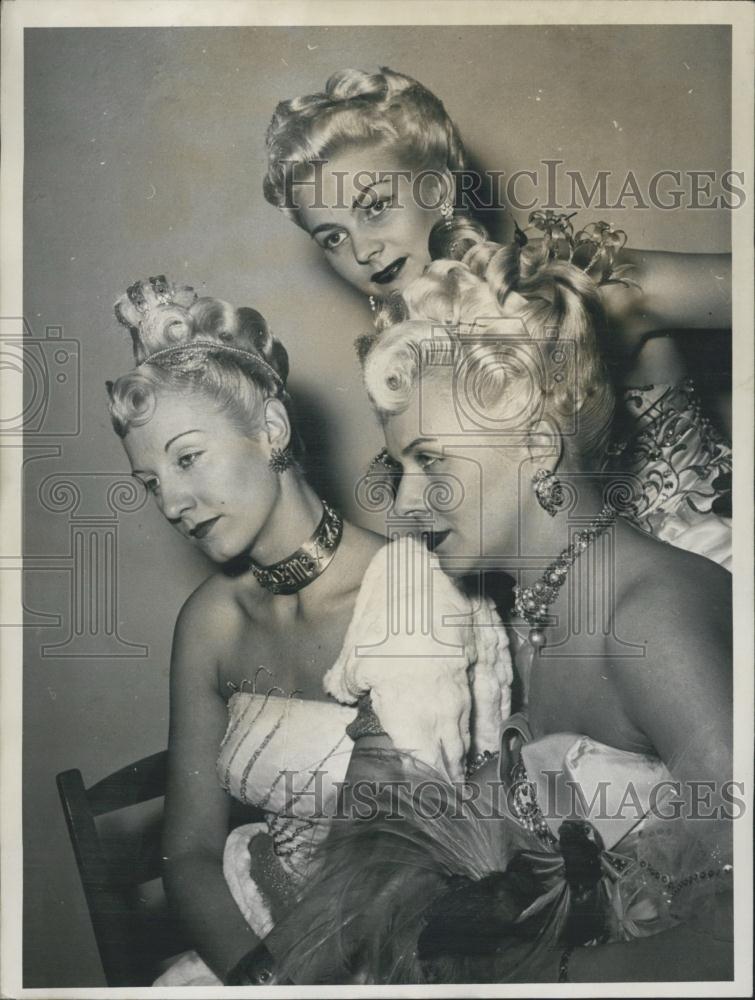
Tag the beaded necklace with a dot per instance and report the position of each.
(532, 603)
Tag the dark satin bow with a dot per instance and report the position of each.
(554, 897)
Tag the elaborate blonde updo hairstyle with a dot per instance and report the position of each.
(358, 108)
(189, 346)
(522, 333)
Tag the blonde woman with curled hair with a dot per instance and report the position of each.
(489, 382)
(260, 708)
(369, 167)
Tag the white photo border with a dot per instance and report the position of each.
(19, 14)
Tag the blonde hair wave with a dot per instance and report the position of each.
(230, 379)
(521, 329)
(359, 108)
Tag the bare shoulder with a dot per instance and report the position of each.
(366, 543)
(210, 609)
(207, 623)
(678, 693)
(678, 604)
(676, 588)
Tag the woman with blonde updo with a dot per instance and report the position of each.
(369, 168)
(489, 383)
(260, 648)
(373, 125)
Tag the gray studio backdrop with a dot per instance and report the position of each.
(144, 155)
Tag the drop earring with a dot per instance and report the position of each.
(453, 235)
(549, 491)
(280, 459)
(373, 304)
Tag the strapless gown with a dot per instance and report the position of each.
(286, 755)
(661, 864)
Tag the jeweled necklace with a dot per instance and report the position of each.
(532, 603)
(302, 567)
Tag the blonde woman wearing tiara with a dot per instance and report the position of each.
(601, 863)
(364, 125)
(261, 645)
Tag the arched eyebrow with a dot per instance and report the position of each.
(323, 227)
(416, 441)
(364, 190)
(193, 430)
(357, 202)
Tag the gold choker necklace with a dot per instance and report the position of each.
(298, 570)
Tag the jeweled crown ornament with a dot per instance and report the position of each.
(155, 312)
(148, 307)
(594, 249)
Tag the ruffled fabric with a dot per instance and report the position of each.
(657, 869)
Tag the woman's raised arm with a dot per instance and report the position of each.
(677, 291)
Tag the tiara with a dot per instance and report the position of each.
(198, 348)
(147, 305)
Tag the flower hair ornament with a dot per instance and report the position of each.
(156, 310)
(593, 249)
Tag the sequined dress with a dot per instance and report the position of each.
(681, 468)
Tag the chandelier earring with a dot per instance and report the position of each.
(549, 491)
(281, 459)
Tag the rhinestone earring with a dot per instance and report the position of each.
(549, 491)
(280, 459)
(447, 210)
(373, 304)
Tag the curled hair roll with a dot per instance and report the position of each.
(358, 108)
(552, 370)
(206, 346)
